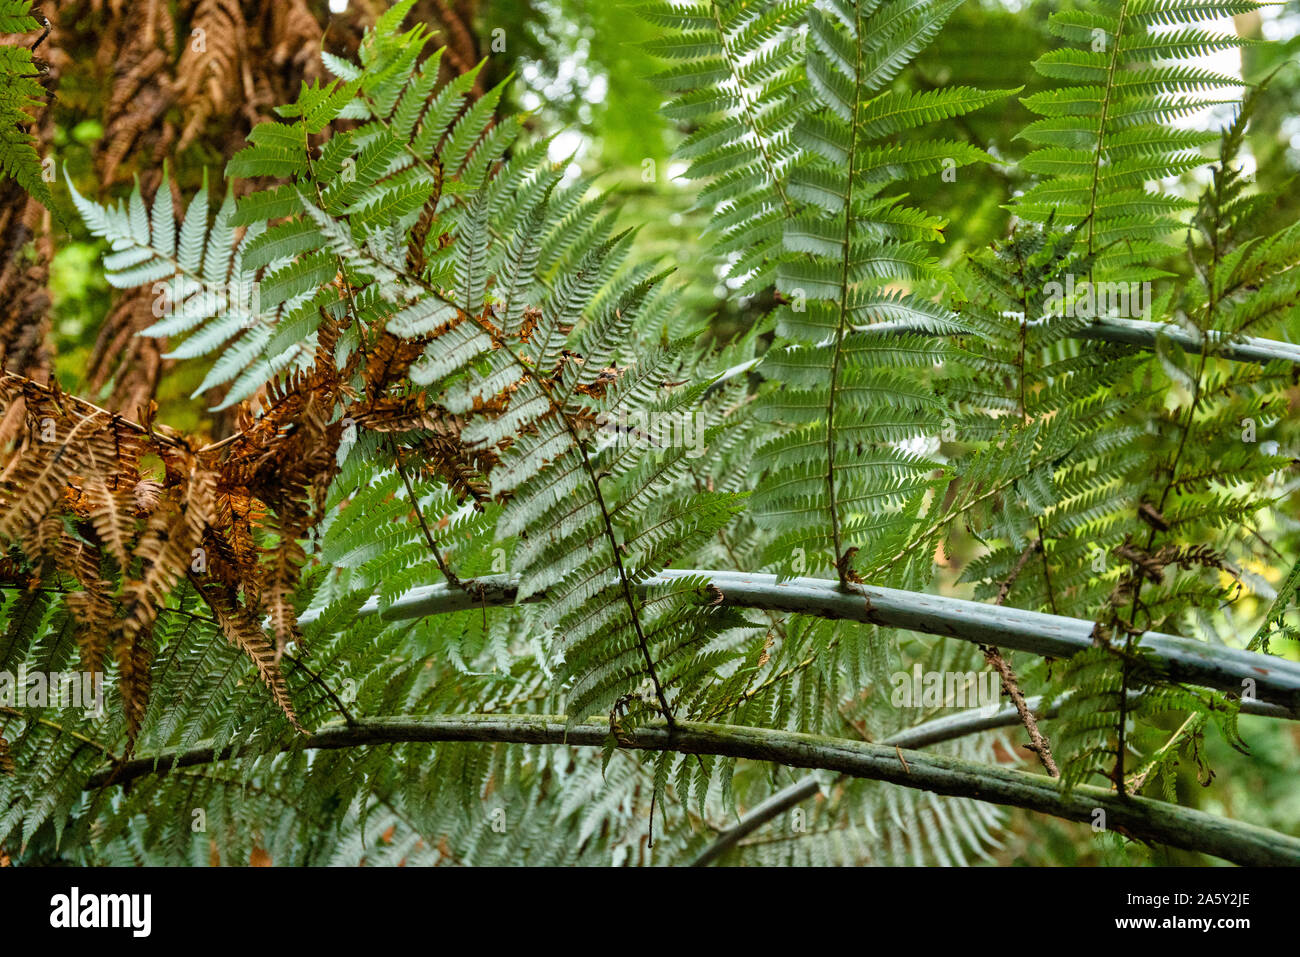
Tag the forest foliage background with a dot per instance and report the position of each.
(135, 103)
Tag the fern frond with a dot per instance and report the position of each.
(21, 94)
(1128, 85)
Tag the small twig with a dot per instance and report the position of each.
(1037, 740)
(320, 682)
(424, 526)
(1004, 589)
(221, 444)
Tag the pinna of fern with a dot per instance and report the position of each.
(531, 364)
(1049, 423)
(20, 94)
(1202, 478)
(850, 400)
(1111, 126)
(734, 76)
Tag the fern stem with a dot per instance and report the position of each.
(1141, 333)
(77, 736)
(614, 546)
(317, 680)
(60, 399)
(776, 805)
(429, 538)
(842, 560)
(1138, 780)
(747, 108)
(1133, 332)
(1140, 818)
(1101, 128)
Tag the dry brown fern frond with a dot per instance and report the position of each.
(167, 547)
(62, 440)
(243, 631)
(389, 362)
(294, 37)
(166, 550)
(129, 540)
(285, 560)
(112, 512)
(209, 78)
(93, 607)
(136, 48)
(234, 550)
(275, 473)
(77, 460)
(124, 364)
(134, 652)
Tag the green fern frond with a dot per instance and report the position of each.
(21, 93)
(1127, 86)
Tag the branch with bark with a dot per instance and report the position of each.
(1134, 817)
(947, 728)
(1269, 678)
